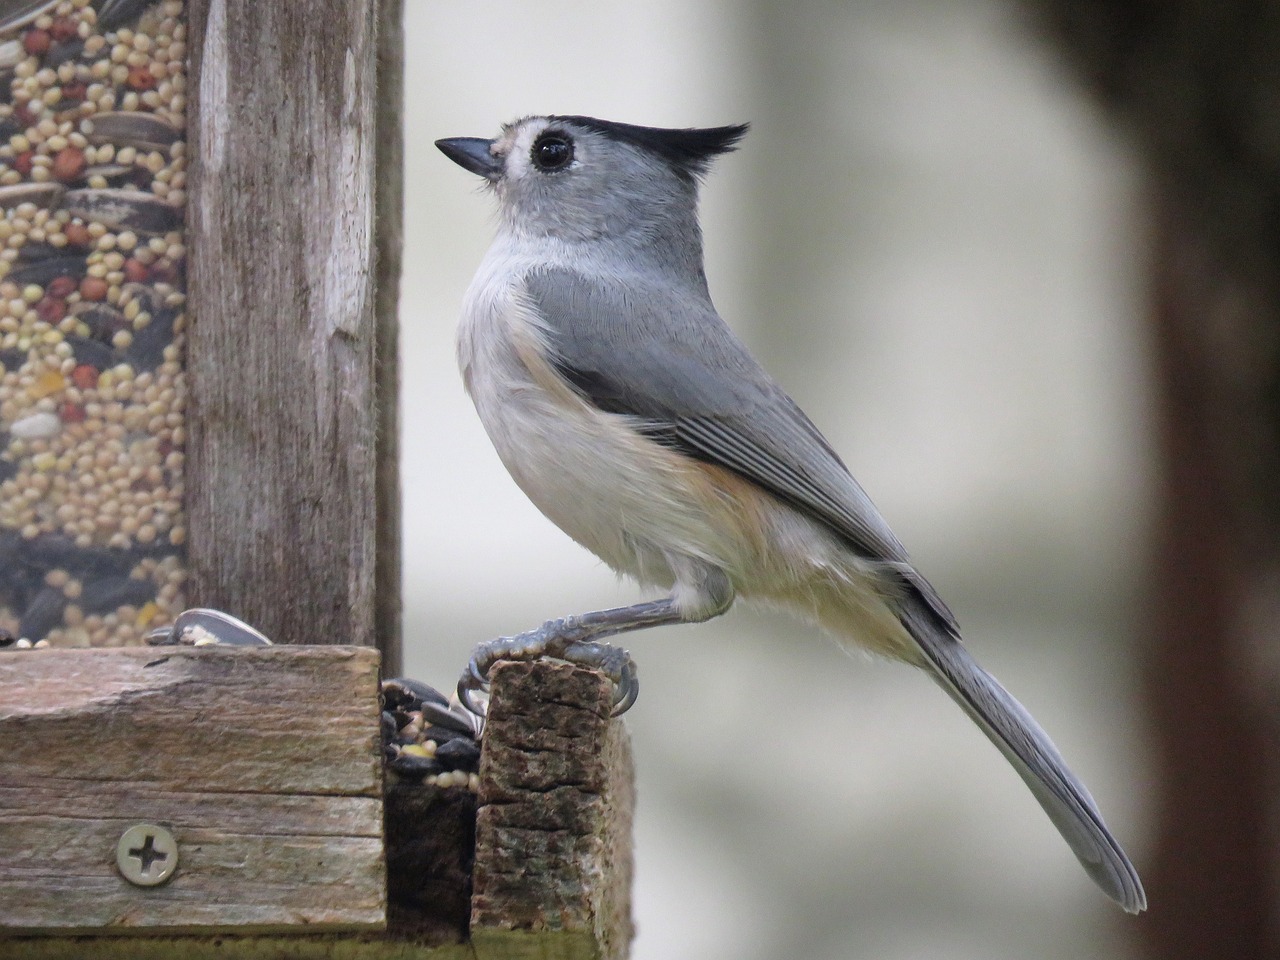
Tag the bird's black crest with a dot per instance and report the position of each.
(689, 150)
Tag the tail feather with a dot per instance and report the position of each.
(1011, 728)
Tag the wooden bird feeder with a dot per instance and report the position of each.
(230, 802)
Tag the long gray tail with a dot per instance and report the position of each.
(1008, 725)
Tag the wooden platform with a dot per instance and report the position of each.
(265, 765)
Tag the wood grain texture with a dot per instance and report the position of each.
(283, 421)
(553, 867)
(303, 947)
(264, 763)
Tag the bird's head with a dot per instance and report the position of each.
(579, 178)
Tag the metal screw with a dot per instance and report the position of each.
(147, 855)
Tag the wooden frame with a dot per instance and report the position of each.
(294, 238)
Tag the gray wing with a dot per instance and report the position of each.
(665, 357)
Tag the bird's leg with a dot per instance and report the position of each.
(575, 639)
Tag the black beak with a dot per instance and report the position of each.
(474, 154)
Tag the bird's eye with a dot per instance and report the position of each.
(552, 152)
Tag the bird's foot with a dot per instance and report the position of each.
(564, 639)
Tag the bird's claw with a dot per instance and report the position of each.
(558, 639)
(615, 663)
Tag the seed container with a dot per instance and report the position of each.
(92, 300)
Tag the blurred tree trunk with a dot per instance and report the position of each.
(1198, 87)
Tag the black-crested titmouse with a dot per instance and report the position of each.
(631, 415)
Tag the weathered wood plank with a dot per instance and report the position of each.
(284, 411)
(553, 868)
(265, 764)
(303, 947)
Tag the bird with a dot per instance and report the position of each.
(633, 417)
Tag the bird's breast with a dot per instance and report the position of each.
(634, 503)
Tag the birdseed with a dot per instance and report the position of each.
(428, 739)
(92, 321)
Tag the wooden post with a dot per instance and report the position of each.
(286, 462)
(553, 830)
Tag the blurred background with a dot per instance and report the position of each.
(950, 236)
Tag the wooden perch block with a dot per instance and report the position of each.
(553, 866)
(265, 765)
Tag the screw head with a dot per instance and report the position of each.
(147, 855)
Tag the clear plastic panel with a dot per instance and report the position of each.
(92, 281)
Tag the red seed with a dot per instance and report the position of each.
(69, 164)
(140, 78)
(75, 90)
(61, 287)
(51, 309)
(85, 376)
(36, 42)
(93, 288)
(135, 271)
(77, 234)
(22, 162)
(71, 412)
(63, 28)
(25, 115)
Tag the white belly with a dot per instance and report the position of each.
(619, 495)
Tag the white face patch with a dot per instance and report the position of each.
(516, 142)
(515, 145)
